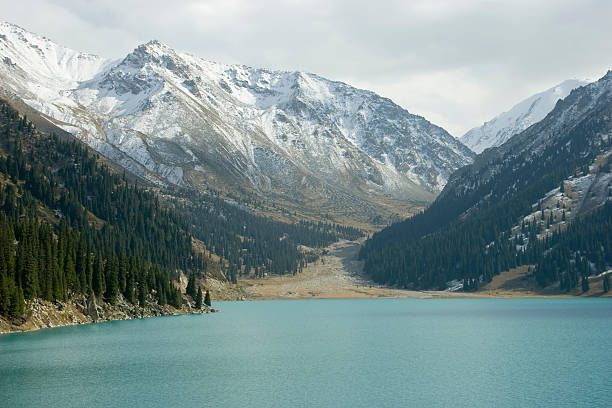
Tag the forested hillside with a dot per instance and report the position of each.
(490, 216)
(250, 244)
(70, 226)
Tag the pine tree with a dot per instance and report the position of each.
(191, 290)
(98, 279)
(142, 294)
(606, 283)
(585, 284)
(198, 299)
(207, 298)
(112, 280)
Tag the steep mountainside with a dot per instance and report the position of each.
(57, 242)
(289, 136)
(516, 205)
(524, 114)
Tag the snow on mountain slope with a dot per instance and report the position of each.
(173, 117)
(41, 69)
(524, 114)
(578, 128)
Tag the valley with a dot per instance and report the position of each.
(336, 274)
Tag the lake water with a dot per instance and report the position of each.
(324, 353)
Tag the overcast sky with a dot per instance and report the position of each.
(458, 63)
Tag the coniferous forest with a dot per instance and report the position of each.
(466, 233)
(69, 226)
(251, 244)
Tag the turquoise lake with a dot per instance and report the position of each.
(324, 353)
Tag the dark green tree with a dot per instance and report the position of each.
(207, 299)
(142, 294)
(585, 284)
(112, 280)
(198, 299)
(191, 286)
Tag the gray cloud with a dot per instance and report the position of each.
(457, 63)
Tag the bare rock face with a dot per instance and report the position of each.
(92, 310)
(87, 309)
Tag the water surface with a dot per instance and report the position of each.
(324, 353)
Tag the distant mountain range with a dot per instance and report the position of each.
(292, 137)
(498, 130)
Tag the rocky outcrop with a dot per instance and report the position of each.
(42, 314)
(92, 310)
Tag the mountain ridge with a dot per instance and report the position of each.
(296, 137)
(529, 111)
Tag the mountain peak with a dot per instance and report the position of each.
(157, 46)
(5, 25)
(498, 130)
(43, 64)
(154, 48)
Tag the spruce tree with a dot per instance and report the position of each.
(17, 304)
(198, 299)
(191, 290)
(142, 294)
(207, 298)
(98, 279)
(4, 294)
(112, 280)
(30, 278)
(129, 288)
(585, 284)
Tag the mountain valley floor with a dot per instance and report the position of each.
(339, 274)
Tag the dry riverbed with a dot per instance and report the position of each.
(337, 274)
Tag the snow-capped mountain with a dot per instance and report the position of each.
(522, 115)
(577, 130)
(175, 118)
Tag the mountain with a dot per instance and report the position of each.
(522, 115)
(292, 137)
(541, 200)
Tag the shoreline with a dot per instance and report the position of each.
(421, 295)
(338, 274)
(424, 295)
(42, 314)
